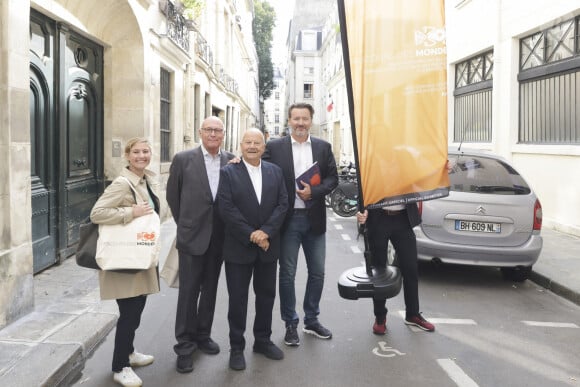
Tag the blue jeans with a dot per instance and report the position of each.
(314, 246)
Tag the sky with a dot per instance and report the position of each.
(284, 11)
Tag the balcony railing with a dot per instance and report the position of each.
(228, 82)
(177, 25)
(203, 50)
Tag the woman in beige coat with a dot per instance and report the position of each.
(119, 204)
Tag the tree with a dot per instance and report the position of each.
(192, 8)
(264, 19)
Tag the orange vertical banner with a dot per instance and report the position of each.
(396, 70)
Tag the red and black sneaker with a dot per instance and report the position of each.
(420, 323)
(380, 326)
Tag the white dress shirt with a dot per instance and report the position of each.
(256, 177)
(302, 156)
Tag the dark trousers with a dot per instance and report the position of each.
(381, 228)
(198, 282)
(238, 278)
(130, 310)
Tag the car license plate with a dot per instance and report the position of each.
(467, 225)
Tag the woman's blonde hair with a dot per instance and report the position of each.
(136, 140)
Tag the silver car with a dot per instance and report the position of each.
(490, 218)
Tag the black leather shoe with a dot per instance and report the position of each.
(270, 350)
(208, 346)
(237, 360)
(184, 364)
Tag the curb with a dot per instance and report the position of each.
(555, 287)
(61, 356)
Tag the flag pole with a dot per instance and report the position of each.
(349, 91)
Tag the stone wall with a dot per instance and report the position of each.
(16, 285)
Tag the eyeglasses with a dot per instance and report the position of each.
(213, 130)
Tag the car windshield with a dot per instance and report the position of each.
(485, 175)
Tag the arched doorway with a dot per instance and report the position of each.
(66, 128)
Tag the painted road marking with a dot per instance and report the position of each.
(453, 321)
(456, 373)
(467, 321)
(449, 321)
(355, 249)
(345, 237)
(338, 226)
(385, 351)
(550, 324)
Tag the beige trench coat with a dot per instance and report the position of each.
(114, 207)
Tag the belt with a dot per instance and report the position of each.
(391, 212)
(297, 211)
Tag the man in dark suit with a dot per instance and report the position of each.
(305, 223)
(191, 192)
(252, 200)
(395, 223)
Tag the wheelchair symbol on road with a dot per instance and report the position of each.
(383, 350)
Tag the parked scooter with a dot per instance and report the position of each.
(344, 198)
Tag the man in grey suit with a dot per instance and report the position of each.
(191, 194)
(252, 200)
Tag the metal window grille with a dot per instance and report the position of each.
(165, 115)
(473, 99)
(549, 78)
(473, 113)
(550, 110)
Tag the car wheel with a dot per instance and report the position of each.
(516, 274)
(392, 257)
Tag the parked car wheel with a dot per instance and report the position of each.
(516, 274)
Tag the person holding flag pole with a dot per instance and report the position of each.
(397, 94)
(395, 223)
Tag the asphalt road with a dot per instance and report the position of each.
(489, 332)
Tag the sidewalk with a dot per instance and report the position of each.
(49, 346)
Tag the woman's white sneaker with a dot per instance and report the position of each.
(137, 359)
(127, 378)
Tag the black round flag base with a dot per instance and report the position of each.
(355, 283)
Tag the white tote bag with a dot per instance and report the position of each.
(131, 246)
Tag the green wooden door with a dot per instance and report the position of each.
(43, 164)
(66, 136)
(81, 131)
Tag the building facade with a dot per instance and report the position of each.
(316, 74)
(514, 89)
(336, 127)
(275, 117)
(78, 79)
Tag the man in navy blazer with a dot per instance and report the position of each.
(252, 201)
(191, 192)
(305, 223)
